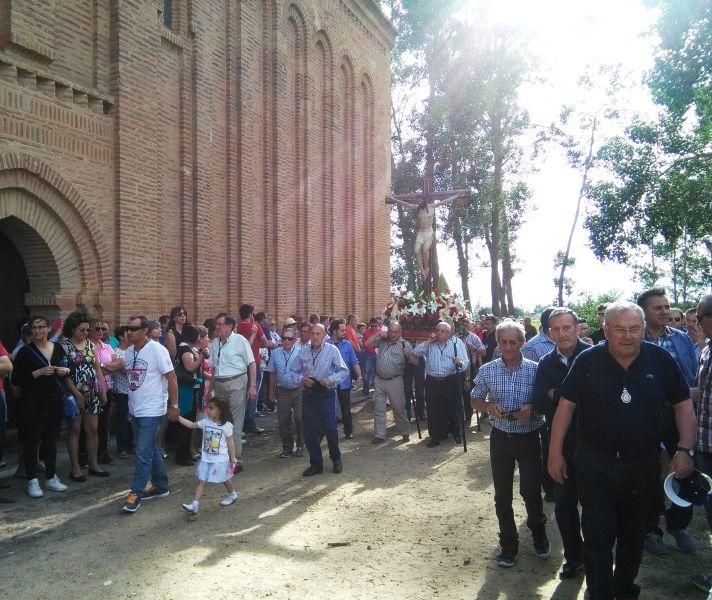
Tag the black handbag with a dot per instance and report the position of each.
(182, 374)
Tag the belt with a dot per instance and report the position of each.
(440, 377)
(388, 378)
(617, 454)
(497, 431)
(279, 387)
(226, 379)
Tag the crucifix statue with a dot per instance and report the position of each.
(425, 203)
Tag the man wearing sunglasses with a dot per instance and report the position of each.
(286, 394)
(656, 306)
(152, 385)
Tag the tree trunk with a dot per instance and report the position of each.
(495, 229)
(582, 188)
(462, 263)
(507, 272)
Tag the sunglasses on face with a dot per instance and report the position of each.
(133, 328)
(288, 339)
(182, 314)
(101, 329)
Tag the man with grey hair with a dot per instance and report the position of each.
(550, 373)
(445, 360)
(618, 390)
(503, 388)
(393, 354)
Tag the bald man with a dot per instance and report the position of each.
(319, 368)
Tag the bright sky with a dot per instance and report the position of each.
(567, 37)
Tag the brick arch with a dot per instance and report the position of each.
(36, 199)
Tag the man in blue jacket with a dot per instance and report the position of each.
(656, 306)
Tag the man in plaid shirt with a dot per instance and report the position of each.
(504, 389)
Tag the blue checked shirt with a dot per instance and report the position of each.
(538, 347)
(324, 363)
(440, 360)
(281, 362)
(509, 390)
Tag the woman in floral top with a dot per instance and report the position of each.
(88, 379)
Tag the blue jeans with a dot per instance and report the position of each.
(149, 462)
(319, 416)
(250, 424)
(3, 416)
(124, 431)
(369, 371)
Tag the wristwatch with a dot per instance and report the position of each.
(689, 451)
(174, 406)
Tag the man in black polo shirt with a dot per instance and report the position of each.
(619, 389)
(550, 373)
(488, 337)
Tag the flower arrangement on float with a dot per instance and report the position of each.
(419, 313)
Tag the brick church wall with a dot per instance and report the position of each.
(239, 155)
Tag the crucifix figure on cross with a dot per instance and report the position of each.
(425, 203)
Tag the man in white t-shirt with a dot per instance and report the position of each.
(152, 384)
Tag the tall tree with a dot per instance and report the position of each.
(658, 192)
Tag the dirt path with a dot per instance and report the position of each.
(401, 521)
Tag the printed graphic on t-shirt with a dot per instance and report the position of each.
(211, 441)
(136, 373)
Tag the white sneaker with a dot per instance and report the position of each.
(228, 499)
(191, 507)
(55, 485)
(33, 488)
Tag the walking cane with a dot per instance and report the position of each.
(462, 409)
(417, 421)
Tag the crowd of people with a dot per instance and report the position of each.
(584, 415)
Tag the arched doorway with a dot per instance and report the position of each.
(29, 274)
(15, 285)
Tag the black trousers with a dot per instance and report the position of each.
(443, 398)
(525, 450)
(344, 397)
(414, 379)
(676, 517)
(616, 496)
(547, 483)
(103, 427)
(183, 437)
(567, 514)
(40, 420)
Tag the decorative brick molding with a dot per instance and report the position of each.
(38, 197)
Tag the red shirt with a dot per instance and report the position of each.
(3, 352)
(367, 334)
(352, 337)
(244, 328)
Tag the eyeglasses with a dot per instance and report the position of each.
(101, 329)
(627, 330)
(288, 339)
(700, 317)
(134, 328)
